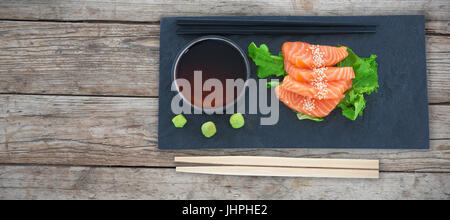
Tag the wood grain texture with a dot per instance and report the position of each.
(88, 59)
(281, 172)
(437, 27)
(123, 131)
(153, 10)
(123, 59)
(47, 182)
(280, 162)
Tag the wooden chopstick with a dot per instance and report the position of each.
(282, 162)
(275, 23)
(281, 171)
(281, 166)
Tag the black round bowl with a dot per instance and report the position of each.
(217, 38)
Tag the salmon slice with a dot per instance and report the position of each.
(323, 90)
(308, 56)
(305, 105)
(329, 73)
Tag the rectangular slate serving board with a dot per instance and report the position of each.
(395, 118)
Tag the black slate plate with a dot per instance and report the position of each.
(395, 118)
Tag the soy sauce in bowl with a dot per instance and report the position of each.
(217, 58)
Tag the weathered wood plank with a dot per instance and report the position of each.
(438, 66)
(47, 182)
(123, 131)
(62, 58)
(153, 10)
(437, 27)
(122, 60)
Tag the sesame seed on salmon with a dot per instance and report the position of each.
(318, 90)
(306, 105)
(328, 73)
(313, 86)
(304, 55)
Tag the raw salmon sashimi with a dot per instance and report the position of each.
(320, 90)
(309, 56)
(305, 105)
(329, 73)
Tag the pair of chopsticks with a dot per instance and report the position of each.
(280, 166)
(190, 26)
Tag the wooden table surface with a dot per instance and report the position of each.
(79, 94)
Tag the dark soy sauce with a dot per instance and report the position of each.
(216, 59)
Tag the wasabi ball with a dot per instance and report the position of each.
(209, 129)
(179, 121)
(237, 121)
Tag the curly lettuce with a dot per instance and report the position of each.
(302, 116)
(365, 82)
(273, 84)
(268, 64)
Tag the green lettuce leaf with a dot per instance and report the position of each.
(273, 84)
(268, 64)
(301, 116)
(365, 82)
(352, 105)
